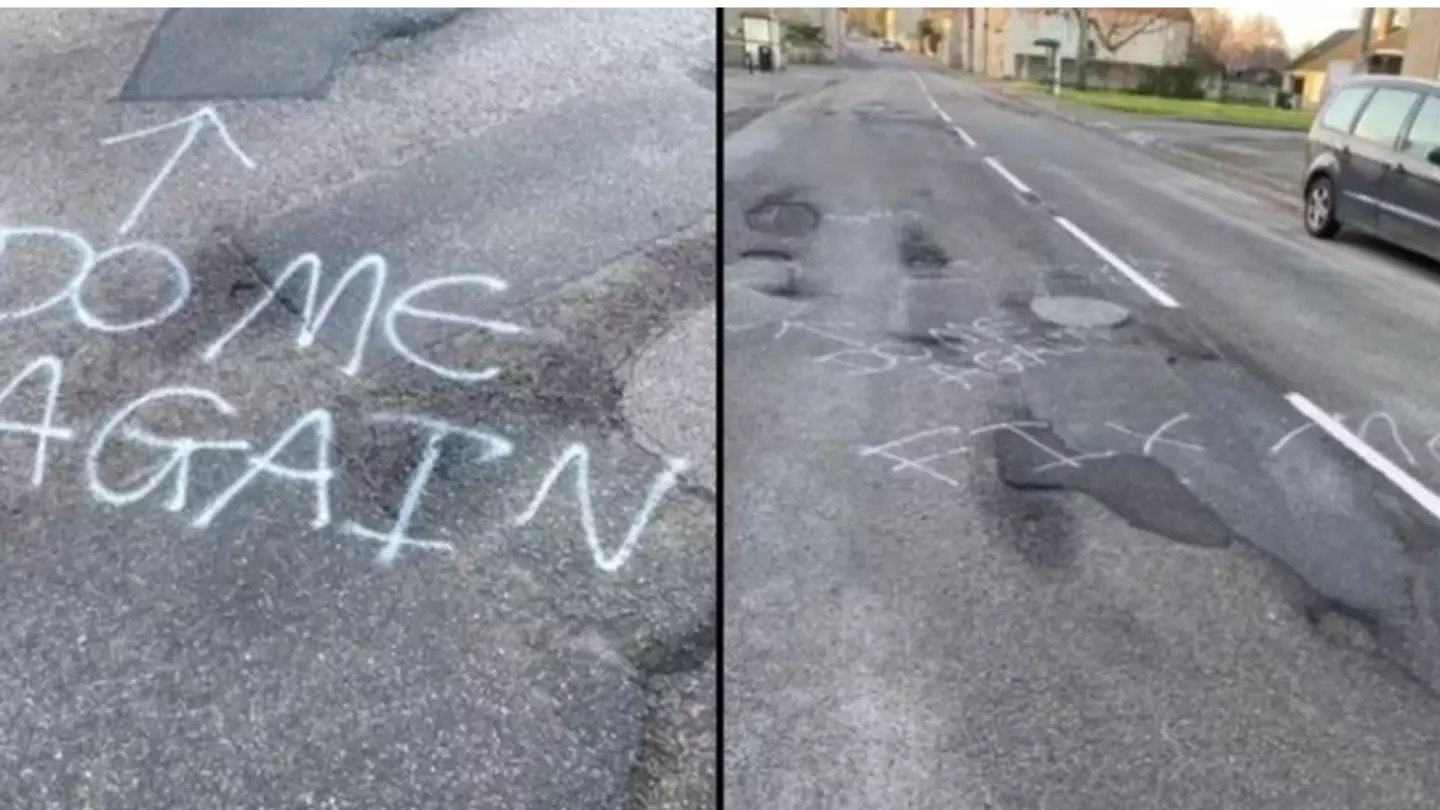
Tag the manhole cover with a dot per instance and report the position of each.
(1079, 312)
(783, 218)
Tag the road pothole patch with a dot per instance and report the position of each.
(1079, 312)
(772, 272)
(779, 215)
(1140, 490)
(922, 255)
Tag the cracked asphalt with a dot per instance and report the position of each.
(977, 557)
(388, 541)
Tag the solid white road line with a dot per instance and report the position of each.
(1406, 482)
(1005, 173)
(1151, 288)
(965, 136)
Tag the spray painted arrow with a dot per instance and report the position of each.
(194, 123)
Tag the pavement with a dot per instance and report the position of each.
(341, 456)
(751, 95)
(988, 545)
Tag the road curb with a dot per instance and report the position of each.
(1221, 122)
(737, 118)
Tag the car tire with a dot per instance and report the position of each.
(1320, 221)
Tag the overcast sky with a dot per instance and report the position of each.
(1304, 24)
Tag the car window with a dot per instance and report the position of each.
(1425, 131)
(1385, 115)
(1340, 113)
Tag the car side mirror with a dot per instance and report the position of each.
(1433, 155)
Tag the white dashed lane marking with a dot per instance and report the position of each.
(1151, 288)
(1418, 492)
(1010, 178)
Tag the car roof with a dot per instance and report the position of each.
(1409, 82)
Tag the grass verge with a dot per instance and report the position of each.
(1184, 109)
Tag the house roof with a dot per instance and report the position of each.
(1344, 44)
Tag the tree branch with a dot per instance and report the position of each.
(1116, 35)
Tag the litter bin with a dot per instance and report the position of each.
(767, 58)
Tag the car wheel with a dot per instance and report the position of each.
(1320, 218)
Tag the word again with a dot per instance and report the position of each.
(194, 123)
(124, 433)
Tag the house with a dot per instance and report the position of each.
(975, 39)
(1421, 52)
(964, 32)
(1332, 60)
(747, 29)
(1000, 42)
(1142, 37)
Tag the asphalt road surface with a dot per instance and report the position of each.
(316, 484)
(1030, 499)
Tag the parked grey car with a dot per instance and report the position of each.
(1373, 162)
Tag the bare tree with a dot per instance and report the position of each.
(1213, 28)
(867, 22)
(1258, 41)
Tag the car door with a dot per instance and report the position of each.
(1328, 148)
(1370, 151)
(1409, 209)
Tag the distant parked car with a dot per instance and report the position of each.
(1373, 162)
(891, 45)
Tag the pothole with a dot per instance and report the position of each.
(772, 272)
(920, 254)
(781, 216)
(1138, 489)
(1079, 311)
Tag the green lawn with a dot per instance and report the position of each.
(1190, 109)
